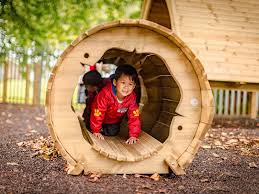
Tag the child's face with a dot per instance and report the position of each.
(124, 86)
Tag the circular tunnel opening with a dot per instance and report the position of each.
(177, 109)
(157, 92)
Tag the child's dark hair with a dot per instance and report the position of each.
(92, 78)
(126, 70)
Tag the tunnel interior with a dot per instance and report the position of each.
(158, 94)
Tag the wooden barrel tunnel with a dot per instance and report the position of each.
(176, 100)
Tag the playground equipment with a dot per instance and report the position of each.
(176, 100)
(223, 34)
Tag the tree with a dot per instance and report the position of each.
(43, 26)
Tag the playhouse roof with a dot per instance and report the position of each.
(223, 33)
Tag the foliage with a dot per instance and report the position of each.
(38, 27)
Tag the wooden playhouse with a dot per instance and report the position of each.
(176, 100)
(223, 34)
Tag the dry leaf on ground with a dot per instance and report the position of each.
(252, 165)
(215, 155)
(155, 176)
(206, 146)
(12, 163)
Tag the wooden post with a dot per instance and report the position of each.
(253, 108)
(146, 9)
(6, 70)
(220, 106)
(244, 103)
(27, 87)
(37, 84)
(226, 102)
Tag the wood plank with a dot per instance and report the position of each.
(159, 5)
(185, 159)
(145, 8)
(253, 106)
(118, 154)
(174, 166)
(37, 84)
(186, 9)
(27, 86)
(225, 4)
(215, 95)
(214, 8)
(160, 132)
(116, 148)
(166, 117)
(151, 143)
(220, 105)
(244, 103)
(232, 102)
(104, 148)
(5, 79)
(217, 17)
(238, 103)
(226, 102)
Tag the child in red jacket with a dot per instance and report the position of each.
(113, 102)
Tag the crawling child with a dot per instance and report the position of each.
(93, 83)
(113, 102)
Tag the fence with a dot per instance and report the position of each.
(26, 84)
(236, 103)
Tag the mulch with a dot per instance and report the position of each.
(222, 165)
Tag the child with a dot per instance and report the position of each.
(112, 103)
(93, 83)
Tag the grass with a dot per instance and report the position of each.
(16, 93)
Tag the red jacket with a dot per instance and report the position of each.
(106, 109)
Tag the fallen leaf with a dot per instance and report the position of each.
(20, 143)
(224, 134)
(217, 143)
(252, 165)
(39, 118)
(34, 154)
(181, 187)
(232, 141)
(206, 146)
(146, 186)
(9, 121)
(196, 173)
(162, 190)
(98, 175)
(140, 175)
(155, 177)
(243, 140)
(204, 180)
(94, 179)
(12, 163)
(215, 155)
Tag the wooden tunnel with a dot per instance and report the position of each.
(176, 100)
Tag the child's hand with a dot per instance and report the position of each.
(99, 136)
(132, 140)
